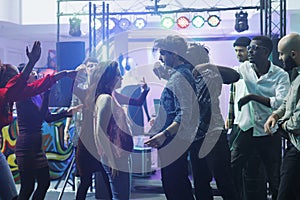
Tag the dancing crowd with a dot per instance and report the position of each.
(242, 154)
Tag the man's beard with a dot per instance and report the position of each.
(289, 63)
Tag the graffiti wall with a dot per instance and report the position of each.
(58, 155)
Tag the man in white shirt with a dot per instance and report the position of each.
(266, 87)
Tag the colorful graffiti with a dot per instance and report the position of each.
(58, 155)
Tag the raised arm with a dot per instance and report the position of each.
(33, 56)
(125, 100)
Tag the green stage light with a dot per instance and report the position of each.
(167, 22)
(198, 21)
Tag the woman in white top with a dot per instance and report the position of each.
(112, 135)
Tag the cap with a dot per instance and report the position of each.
(242, 41)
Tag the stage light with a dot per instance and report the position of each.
(128, 63)
(124, 23)
(183, 22)
(213, 20)
(75, 27)
(140, 23)
(167, 22)
(198, 21)
(241, 21)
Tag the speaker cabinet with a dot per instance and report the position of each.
(69, 56)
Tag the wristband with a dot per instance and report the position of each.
(167, 133)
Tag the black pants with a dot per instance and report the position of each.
(289, 188)
(254, 177)
(216, 163)
(175, 180)
(28, 178)
(86, 182)
(268, 148)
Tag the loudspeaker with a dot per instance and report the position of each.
(69, 56)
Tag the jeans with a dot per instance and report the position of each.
(119, 181)
(8, 188)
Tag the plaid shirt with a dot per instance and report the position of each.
(230, 117)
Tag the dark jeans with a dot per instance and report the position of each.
(215, 164)
(119, 180)
(175, 180)
(289, 188)
(268, 148)
(28, 178)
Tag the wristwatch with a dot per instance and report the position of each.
(167, 133)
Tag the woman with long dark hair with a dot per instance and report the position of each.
(86, 151)
(112, 134)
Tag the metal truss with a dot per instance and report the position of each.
(273, 18)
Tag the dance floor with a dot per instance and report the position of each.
(143, 188)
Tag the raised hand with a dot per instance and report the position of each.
(144, 84)
(35, 54)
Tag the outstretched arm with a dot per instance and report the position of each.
(65, 73)
(229, 75)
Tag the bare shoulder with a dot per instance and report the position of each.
(104, 98)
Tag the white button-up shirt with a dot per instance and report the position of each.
(273, 85)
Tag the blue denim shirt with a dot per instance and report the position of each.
(178, 103)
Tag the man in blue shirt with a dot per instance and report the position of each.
(176, 123)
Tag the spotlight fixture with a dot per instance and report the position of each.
(140, 23)
(241, 21)
(124, 23)
(198, 21)
(183, 22)
(213, 20)
(75, 27)
(167, 22)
